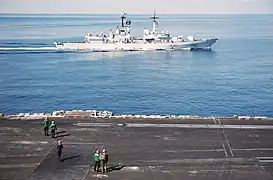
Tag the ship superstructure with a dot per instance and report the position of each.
(121, 40)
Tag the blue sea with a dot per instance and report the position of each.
(234, 78)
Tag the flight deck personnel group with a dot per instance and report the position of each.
(100, 158)
(47, 125)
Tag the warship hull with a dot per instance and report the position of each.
(136, 46)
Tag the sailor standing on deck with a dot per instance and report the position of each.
(46, 124)
(59, 150)
(104, 160)
(96, 158)
(53, 128)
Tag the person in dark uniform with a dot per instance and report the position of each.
(46, 124)
(59, 150)
(53, 128)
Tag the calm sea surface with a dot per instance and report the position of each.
(236, 77)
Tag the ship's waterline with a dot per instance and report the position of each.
(136, 46)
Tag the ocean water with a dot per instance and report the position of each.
(234, 78)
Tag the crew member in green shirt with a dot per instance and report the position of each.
(46, 126)
(96, 158)
(53, 128)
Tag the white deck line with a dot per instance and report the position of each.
(200, 126)
(94, 124)
(208, 160)
(20, 155)
(264, 158)
(266, 161)
(204, 150)
(214, 120)
(38, 164)
(18, 165)
(229, 147)
(224, 149)
(217, 170)
(255, 149)
(83, 143)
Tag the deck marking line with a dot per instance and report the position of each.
(214, 120)
(230, 150)
(27, 155)
(18, 165)
(255, 149)
(228, 159)
(204, 150)
(201, 126)
(40, 162)
(266, 161)
(224, 148)
(80, 143)
(262, 157)
(217, 170)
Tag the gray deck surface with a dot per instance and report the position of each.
(179, 149)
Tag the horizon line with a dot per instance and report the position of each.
(136, 13)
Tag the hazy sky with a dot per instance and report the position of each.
(136, 6)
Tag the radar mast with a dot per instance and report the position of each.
(123, 16)
(155, 23)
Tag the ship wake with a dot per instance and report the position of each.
(27, 48)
